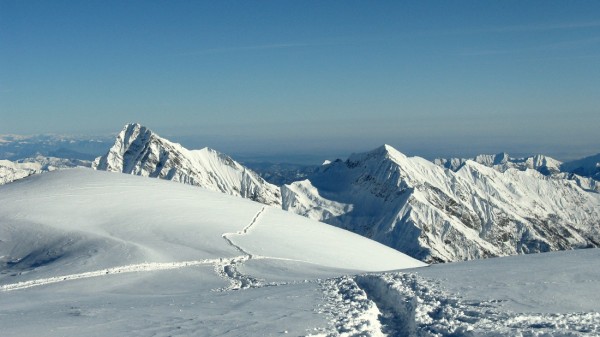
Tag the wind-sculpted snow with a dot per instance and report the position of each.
(139, 151)
(438, 215)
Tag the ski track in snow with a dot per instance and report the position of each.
(404, 304)
(227, 268)
(133, 268)
(224, 267)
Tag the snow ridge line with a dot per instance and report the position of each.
(146, 266)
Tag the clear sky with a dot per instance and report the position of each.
(428, 77)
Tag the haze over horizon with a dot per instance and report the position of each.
(431, 79)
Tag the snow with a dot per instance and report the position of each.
(305, 200)
(78, 245)
(91, 253)
(139, 151)
(502, 162)
(555, 282)
(550, 294)
(11, 171)
(438, 215)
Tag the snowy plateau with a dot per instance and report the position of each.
(92, 253)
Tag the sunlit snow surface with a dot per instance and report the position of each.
(96, 254)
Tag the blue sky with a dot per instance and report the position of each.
(428, 77)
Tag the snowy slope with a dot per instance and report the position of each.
(438, 215)
(100, 247)
(550, 295)
(92, 253)
(54, 221)
(139, 151)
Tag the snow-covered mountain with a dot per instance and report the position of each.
(502, 162)
(584, 172)
(11, 171)
(90, 253)
(494, 207)
(437, 215)
(139, 151)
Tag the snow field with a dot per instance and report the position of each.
(405, 304)
(78, 246)
(92, 253)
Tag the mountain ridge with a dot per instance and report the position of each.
(139, 151)
(439, 215)
(493, 205)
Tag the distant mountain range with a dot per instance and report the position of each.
(17, 147)
(445, 210)
(11, 171)
(584, 172)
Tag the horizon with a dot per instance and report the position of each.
(272, 78)
(262, 154)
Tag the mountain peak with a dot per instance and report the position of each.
(139, 151)
(381, 152)
(134, 128)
